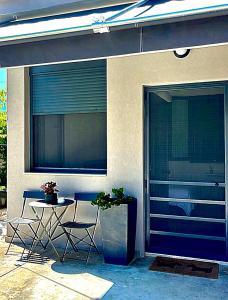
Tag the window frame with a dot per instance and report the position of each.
(57, 170)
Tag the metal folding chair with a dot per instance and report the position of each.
(16, 222)
(87, 228)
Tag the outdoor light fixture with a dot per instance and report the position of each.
(181, 53)
(99, 24)
(101, 29)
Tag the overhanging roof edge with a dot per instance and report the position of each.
(162, 37)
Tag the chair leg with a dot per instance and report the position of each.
(35, 234)
(66, 246)
(15, 229)
(69, 240)
(13, 236)
(92, 244)
(92, 240)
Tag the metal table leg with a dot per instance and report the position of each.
(55, 225)
(44, 232)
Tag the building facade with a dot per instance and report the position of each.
(165, 123)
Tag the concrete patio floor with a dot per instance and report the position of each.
(74, 280)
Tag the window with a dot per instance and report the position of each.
(69, 118)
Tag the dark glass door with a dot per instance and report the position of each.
(186, 172)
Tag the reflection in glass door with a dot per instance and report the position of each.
(186, 171)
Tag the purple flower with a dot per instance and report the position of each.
(49, 187)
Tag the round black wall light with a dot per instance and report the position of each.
(181, 53)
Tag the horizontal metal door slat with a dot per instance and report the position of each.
(188, 235)
(188, 218)
(196, 183)
(188, 200)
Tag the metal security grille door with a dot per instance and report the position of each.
(186, 207)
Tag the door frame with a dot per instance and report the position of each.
(146, 179)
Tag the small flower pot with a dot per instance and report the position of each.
(51, 198)
(3, 199)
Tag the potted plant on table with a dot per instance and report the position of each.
(118, 225)
(50, 191)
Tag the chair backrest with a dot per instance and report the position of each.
(39, 195)
(33, 195)
(85, 197)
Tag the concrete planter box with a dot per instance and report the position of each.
(118, 227)
(3, 199)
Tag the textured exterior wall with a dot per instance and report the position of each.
(126, 78)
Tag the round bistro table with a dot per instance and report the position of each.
(49, 227)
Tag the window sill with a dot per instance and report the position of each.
(65, 174)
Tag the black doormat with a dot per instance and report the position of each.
(185, 267)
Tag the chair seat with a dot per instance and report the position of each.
(18, 220)
(72, 225)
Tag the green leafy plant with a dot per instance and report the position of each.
(105, 201)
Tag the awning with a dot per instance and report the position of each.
(11, 10)
(138, 13)
(133, 28)
(74, 22)
(158, 10)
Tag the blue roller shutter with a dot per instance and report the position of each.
(69, 88)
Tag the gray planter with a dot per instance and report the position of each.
(118, 227)
(3, 199)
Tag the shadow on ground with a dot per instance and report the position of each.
(73, 279)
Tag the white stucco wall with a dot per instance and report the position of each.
(126, 78)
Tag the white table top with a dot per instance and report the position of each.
(43, 204)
